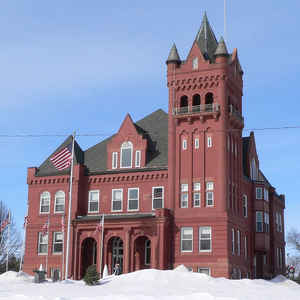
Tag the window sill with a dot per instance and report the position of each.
(59, 212)
(42, 254)
(130, 210)
(205, 251)
(187, 251)
(57, 253)
(93, 212)
(117, 210)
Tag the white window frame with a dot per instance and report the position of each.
(245, 206)
(113, 200)
(90, 201)
(197, 143)
(54, 242)
(138, 199)
(209, 141)
(203, 268)
(42, 197)
(184, 144)
(55, 202)
(246, 246)
(138, 154)
(232, 241)
(205, 239)
(238, 242)
(195, 63)
(209, 191)
(163, 195)
(181, 239)
(41, 235)
(196, 191)
(267, 221)
(266, 194)
(259, 193)
(114, 162)
(184, 195)
(259, 220)
(126, 145)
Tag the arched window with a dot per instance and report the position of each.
(209, 100)
(196, 103)
(59, 204)
(184, 104)
(45, 203)
(126, 155)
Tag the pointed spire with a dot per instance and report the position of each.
(206, 39)
(221, 49)
(173, 55)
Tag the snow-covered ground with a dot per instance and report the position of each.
(150, 284)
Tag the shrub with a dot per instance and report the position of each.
(91, 276)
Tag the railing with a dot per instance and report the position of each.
(235, 113)
(204, 108)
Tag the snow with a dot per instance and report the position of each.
(178, 284)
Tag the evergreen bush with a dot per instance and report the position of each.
(91, 276)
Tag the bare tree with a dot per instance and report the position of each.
(10, 240)
(293, 240)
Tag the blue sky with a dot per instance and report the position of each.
(82, 65)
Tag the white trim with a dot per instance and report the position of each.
(114, 160)
(53, 242)
(138, 199)
(181, 240)
(112, 200)
(261, 193)
(138, 161)
(232, 241)
(45, 212)
(39, 236)
(89, 200)
(238, 242)
(123, 147)
(55, 198)
(209, 142)
(207, 268)
(209, 250)
(163, 195)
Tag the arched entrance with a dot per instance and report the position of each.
(88, 254)
(142, 253)
(115, 251)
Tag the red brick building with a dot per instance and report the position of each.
(182, 187)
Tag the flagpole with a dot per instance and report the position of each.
(69, 213)
(8, 240)
(24, 239)
(47, 246)
(101, 248)
(63, 248)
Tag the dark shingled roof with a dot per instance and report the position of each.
(173, 55)
(153, 127)
(206, 39)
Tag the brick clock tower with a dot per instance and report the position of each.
(205, 150)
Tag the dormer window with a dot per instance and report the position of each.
(137, 158)
(195, 63)
(126, 155)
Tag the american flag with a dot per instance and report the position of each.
(26, 221)
(45, 228)
(5, 222)
(62, 159)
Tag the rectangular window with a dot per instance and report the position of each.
(184, 144)
(267, 222)
(245, 206)
(43, 243)
(187, 239)
(235, 150)
(45, 203)
(209, 142)
(59, 205)
(93, 201)
(258, 193)
(114, 160)
(246, 247)
(228, 143)
(133, 199)
(266, 194)
(126, 155)
(280, 222)
(209, 193)
(196, 194)
(232, 242)
(157, 197)
(259, 221)
(137, 158)
(184, 198)
(57, 242)
(205, 239)
(203, 270)
(196, 143)
(238, 242)
(117, 200)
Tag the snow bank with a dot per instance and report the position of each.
(15, 276)
(149, 285)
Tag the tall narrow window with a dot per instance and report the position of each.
(43, 243)
(259, 221)
(246, 247)
(114, 160)
(45, 203)
(184, 198)
(187, 239)
(238, 242)
(205, 239)
(195, 63)
(133, 199)
(184, 144)
(266, 194)
(59, 205)
(196, 143)
(209, 142)
(228, 143)
(209, 193)
(147, 252)
(245, 206)
(232, 241)
(57, 242)
(267, 222)
(157, 197)
(258, 193)
(137, 158)
(117, 200)
(253, 170)
(93, 201)
(196, 194)
(126, 155)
